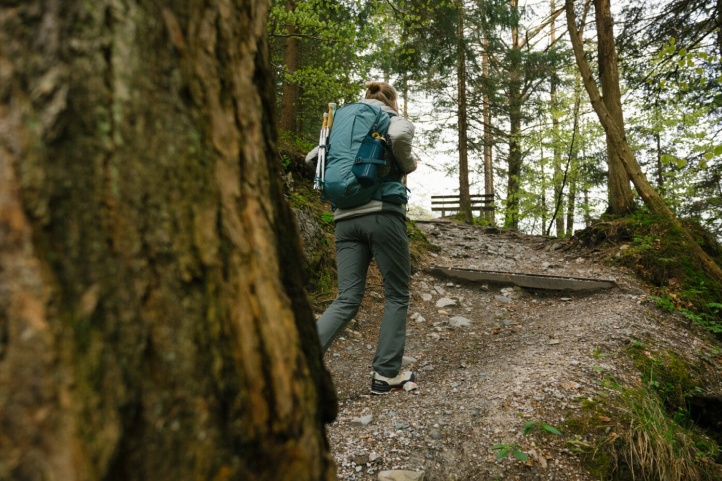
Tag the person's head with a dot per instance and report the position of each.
(384, 92)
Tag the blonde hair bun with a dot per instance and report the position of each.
(373, 87)
(382, 91)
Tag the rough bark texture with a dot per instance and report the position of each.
(511, 219)
(559, 221)
(488, 163)
(615, 133)
(572, 204)
(153, 324)
(718, 19)
(464, 198)
(620, 193)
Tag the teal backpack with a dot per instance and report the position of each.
(355, 153)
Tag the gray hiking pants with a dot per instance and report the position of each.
(382, 237)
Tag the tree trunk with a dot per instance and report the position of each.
(719, 26)
(543, 188)
(153, 322)
(660, 166)
(571, 205)
(465, 200)
(290, 91)
(511, 219)
(558, 193)
(620, 193)
(615, 133)
(405, 94)
(488, 161)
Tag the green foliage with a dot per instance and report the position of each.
(332, 35)
(503, 450)
(659, 254)
(327, 217)
(645, 429)
(593, 434)
(514, 449)
(298, 146)
(480, 222)
(671, 377)
(655, 446)
(529, 426)
(565, 154)
(419, 245)
(674, 70)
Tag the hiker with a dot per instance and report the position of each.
(377, 229)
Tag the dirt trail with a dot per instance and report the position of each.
(493, 359)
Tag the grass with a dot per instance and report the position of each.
(654, 447)
(644, 432)
(658, 254)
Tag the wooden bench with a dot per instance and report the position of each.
(452, 203)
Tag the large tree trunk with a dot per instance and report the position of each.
(153, 323)
(515, 160)
(511, 219)
(615, 133)
(660, 166)
(488, 139)
(542, 188)
(290, 94)
(620, 193)
(464, 197)
(558, 193)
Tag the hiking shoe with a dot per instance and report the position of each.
(382, 385)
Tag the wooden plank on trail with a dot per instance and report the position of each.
(531, 281)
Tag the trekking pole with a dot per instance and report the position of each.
(328, 123)
(321, 164)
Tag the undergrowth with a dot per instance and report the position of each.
(645, 431)
(659, 254)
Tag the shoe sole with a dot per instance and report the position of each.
(380, 389)
(382, 393)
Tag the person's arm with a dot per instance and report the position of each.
(400, 136)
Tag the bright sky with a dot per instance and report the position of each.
(431, 176)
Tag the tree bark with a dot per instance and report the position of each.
(290, 91)
(153, 322)
(405, 93)
(464, 197)
(558, 193)
(543, 188)
(488, 139)
(571, 205)
(511, 219)
(620, 193)
(660, 166)
(718, 20)
(615, 133)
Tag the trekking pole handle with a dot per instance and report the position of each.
(331, 111)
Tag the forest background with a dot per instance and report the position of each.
(500, 105)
